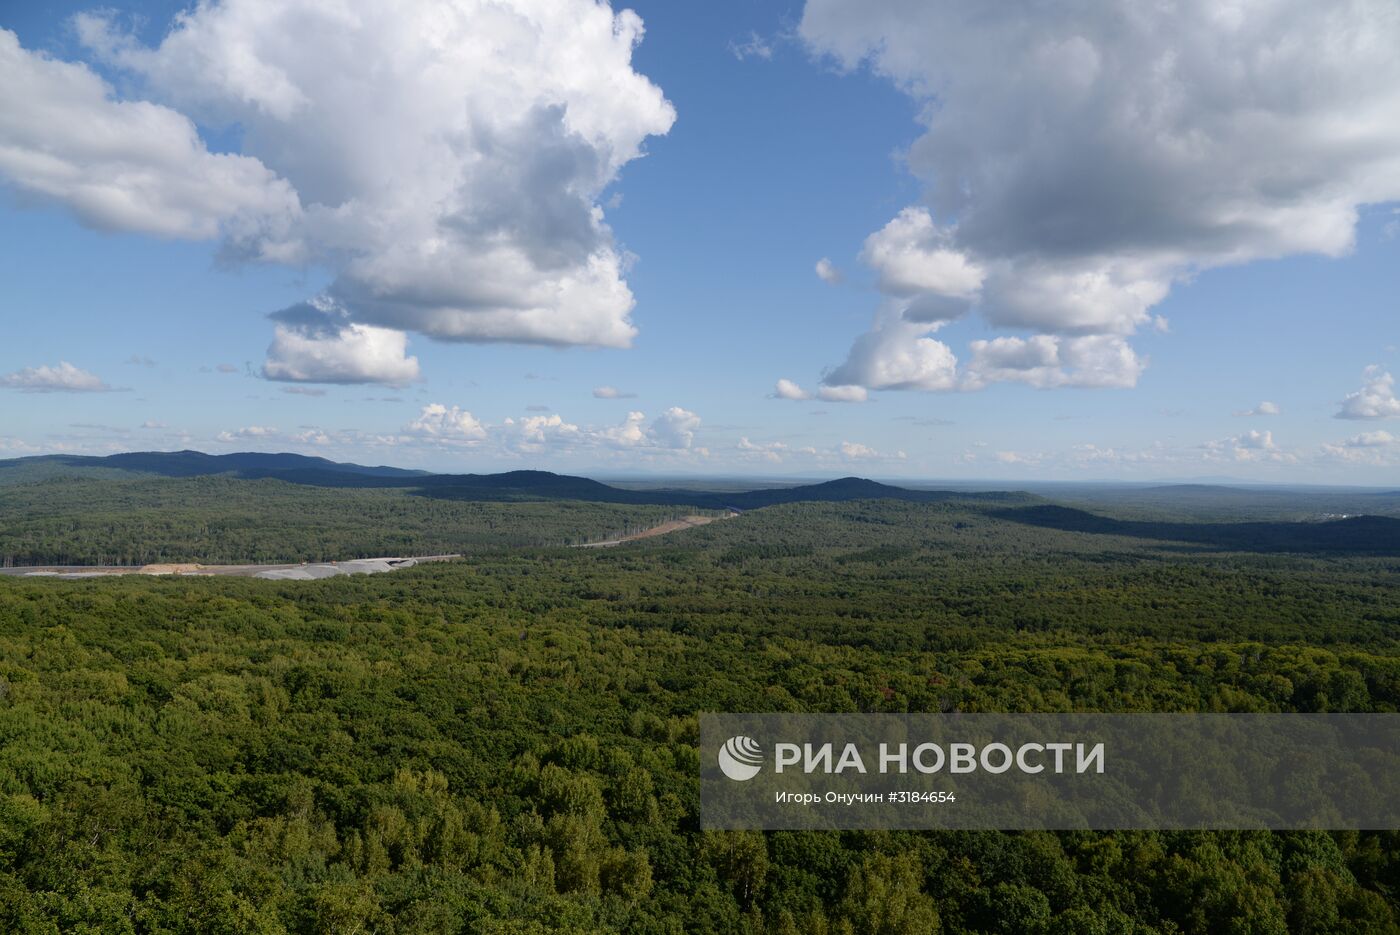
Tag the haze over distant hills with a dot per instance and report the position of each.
(1214, 502)
(510, 485)
(1191, 515)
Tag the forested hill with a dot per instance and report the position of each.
(507, 486)
(244, 464)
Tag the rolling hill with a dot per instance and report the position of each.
(509, 485)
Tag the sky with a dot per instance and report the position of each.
(881, 237)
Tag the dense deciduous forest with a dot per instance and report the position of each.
(506, 743)
(67, 520)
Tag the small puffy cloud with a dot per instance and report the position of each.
(772, 452)
(1265, 408)
(631, 433)
(786, 389)
(536, 433)
(1375, 400)
(248, 433)
(438, 421)
(1255, 440)
(226, 368)
(827, 272)
(1370, 440)
(855, 451)
(611, 392)
(63, 378)
(675, 428)
(1377, 449)
(315, 342)
(1253, 445)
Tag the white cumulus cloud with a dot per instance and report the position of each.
(675, 428)
(131, 165)
(438, 421)
(444, 159)
(1254, 445)
(897, 355)
(1080, 160)
(316, 342)
(1375, 400)
(786, 389)
(912, 255)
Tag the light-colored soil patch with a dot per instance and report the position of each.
(305, 571)
(685, 522)
(182, 568)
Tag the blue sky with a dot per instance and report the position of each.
(1140, 300)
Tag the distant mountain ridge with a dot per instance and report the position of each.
(508, 485)
(188, 463)
(1378, 535)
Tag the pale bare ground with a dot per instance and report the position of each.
(685, 522)
(282, 571)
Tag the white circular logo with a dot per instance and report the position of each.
(740, 758)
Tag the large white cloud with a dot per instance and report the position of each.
(443, 158)
(1084, 157)
(1375, 400)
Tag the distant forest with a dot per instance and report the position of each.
(143, 508)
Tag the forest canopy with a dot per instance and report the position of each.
(507, 742)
